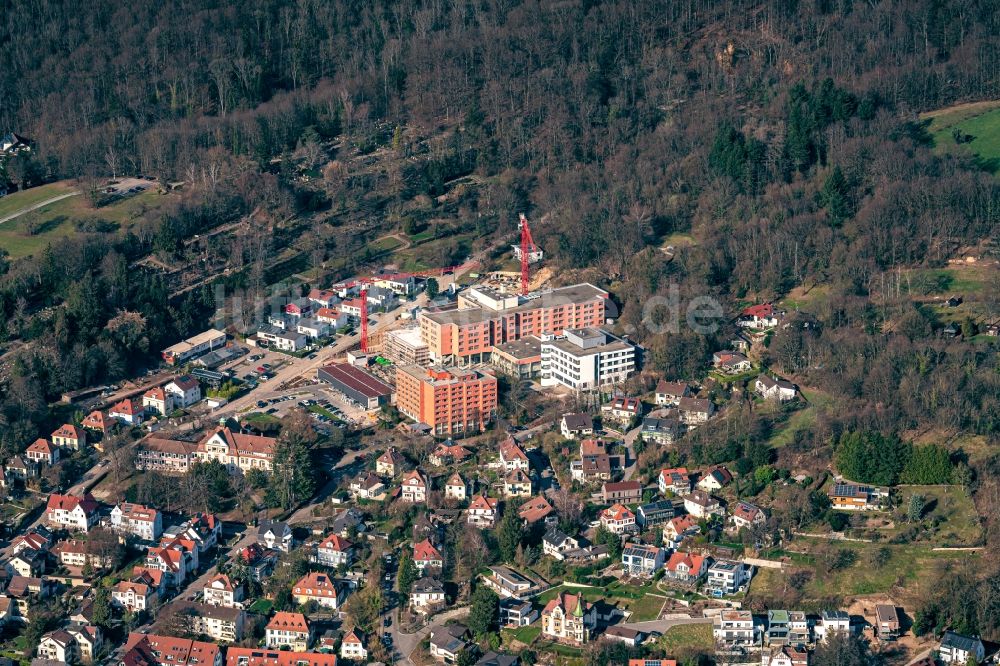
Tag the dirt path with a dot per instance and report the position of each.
(40, 204)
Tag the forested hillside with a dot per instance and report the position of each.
(777, 142)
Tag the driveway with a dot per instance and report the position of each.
(405, 644)
(630, 438)
(40, 204)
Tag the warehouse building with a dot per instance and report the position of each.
(194, 346)
(358, 385)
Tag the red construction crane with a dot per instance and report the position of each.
(528, 247)
(363, 282)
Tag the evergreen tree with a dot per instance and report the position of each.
(483, 618)
(915, 509)
(509, 535)
(408, 573)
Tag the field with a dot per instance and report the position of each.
(31, 232)
(688, 638)
(908, 566)
(977, 127)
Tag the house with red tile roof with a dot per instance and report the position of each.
(158, 401)
(352, 647)
(184, 390)
(319, 587)
(482, 511)
(96, 421)
(261, 657)
(156, 650)
(414, 487)
(132, 597)
(456, 487)
(680, 526)
(137, 520)
(237, 451)
(686, 567)
(618, 518)
(334, 551)
(71, 512)
(128, 411)
(42, 452)
(746, 514)
(221, 591)
(677, 480)
(517, 483)
(288, 631)
(569, 618)
(761, 316)
(512, 456)
(426, 556)
(69, 436)
(535, 509)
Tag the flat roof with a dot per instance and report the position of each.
(455, 374)
(195, 340)
(357, 379)
(521, 349)
(574, 293)
(569, 347)
(408, 336)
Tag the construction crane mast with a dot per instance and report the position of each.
(527, 248)
(364, 282)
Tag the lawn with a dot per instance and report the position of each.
(688, 638)
(645, 608)
(953, 511)
(801, 420)
(18, 200)
(979, 127)
(59, 219)
(527, 635)
(262, 606)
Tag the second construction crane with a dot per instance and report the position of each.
(527, 252)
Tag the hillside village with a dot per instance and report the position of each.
(276, 497)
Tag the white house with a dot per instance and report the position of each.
(728, 577)
(772, 388)
(275, 535)
(456, 487)
(221, 591)
(426, 595)
(71, 512)
(352, 647)
(957, 649)
(642, 560)
(556, 544)
(576, 425)
(184, 389)
(414, 487)
(138, 520)
(334, 551)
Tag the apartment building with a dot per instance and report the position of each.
(405, 347)
(238, 452)
(586, 358)
(288, 630)
(140, 521)
(485, 318)
(450, 400)
(734, 628)
(167, 456)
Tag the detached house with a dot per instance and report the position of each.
(660, 431)
(482, 511)
(69, 436)
(275, 535)
(390, 463)
(456, 488)
(642, 560)
(695, 411)
(76, 553)
(512, 456)
(19, 468)
(334, 551)
(959, 649)
(846, 496)
(654, 513)
(575, 426)
(517, 484)
(289, 631)
(714, 479)
(132, 597)
(128, 411)
(670, 393)
(686, 568)
(427, 595)
(447, 642)
(728, 577)
(747, 515)
(734, 629)
(622, 411)
(676, 480)
(42, 452)
(77, 514)
(677, 528)
(535, 509)
(625, 492)
(556, 544)
(352, 647)
(702, 505)
(887, 624)
(731, 362)
(184, 390)
(618, 519)
(507, 583)
(414, 487)
(369, 486)
(569, 618)
(426, 557)
(318, 587)
(221, 591)
(759, 317)
(96, 422)
(772, 388)
(158, 401)
(140, 521)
